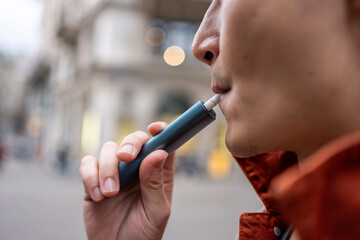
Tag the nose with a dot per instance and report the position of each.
(205, 46)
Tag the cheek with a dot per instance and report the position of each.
(237, 31)
(259, 39)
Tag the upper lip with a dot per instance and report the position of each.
(217, 85)
(218, 90)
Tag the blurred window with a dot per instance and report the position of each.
(178, 33)
(173, 104)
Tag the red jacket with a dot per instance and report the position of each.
(322, 201)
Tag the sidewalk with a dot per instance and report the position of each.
(41, 204)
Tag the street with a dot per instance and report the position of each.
(38, 203)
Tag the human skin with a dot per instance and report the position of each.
(288, 72)
(139, 212)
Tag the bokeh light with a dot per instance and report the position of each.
(34, 126)
(155, 36)
(90, 139)
(174, 55)
(219, 164)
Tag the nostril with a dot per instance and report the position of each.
(208, 56)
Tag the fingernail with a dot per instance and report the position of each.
(97, 193)
(128, 148)
(109, 185)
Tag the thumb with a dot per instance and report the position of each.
(153, 194)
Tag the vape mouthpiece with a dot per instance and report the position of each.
(212, 102)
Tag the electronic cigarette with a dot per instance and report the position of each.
(172, 137)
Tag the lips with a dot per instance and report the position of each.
(218, 90)
(219, 84)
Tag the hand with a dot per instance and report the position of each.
(140, 211)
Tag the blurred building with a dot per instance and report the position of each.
(110, 67)
(5, 86)
(11, 105)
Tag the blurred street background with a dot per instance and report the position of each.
(39, 204)
(77, 73)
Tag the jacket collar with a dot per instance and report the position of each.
(260, 171)
(322, 200)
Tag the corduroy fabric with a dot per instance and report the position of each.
(322, 201)
(260, 170)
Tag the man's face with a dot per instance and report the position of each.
(276, 64)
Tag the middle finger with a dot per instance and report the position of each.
(108, 170)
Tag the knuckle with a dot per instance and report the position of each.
(87, 169)
(108, 170)
(155, 184)
(86, 178)
(108, 160)
(167, 212)
(108, 153)
(143, 137)
(136, 137)
(86, 160)
(140, 135)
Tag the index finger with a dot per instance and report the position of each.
(156, 127)
(131, 146)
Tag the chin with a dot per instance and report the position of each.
(241, 145)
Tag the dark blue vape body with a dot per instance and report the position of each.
(171, 138)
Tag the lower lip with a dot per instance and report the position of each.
(223, 96)
(222, 99)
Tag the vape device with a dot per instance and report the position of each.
(171, 138)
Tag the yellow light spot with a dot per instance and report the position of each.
(125, 127)
(34, 126)
(174, 56)
(91, 127)
(219, 164)
(155, 36)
